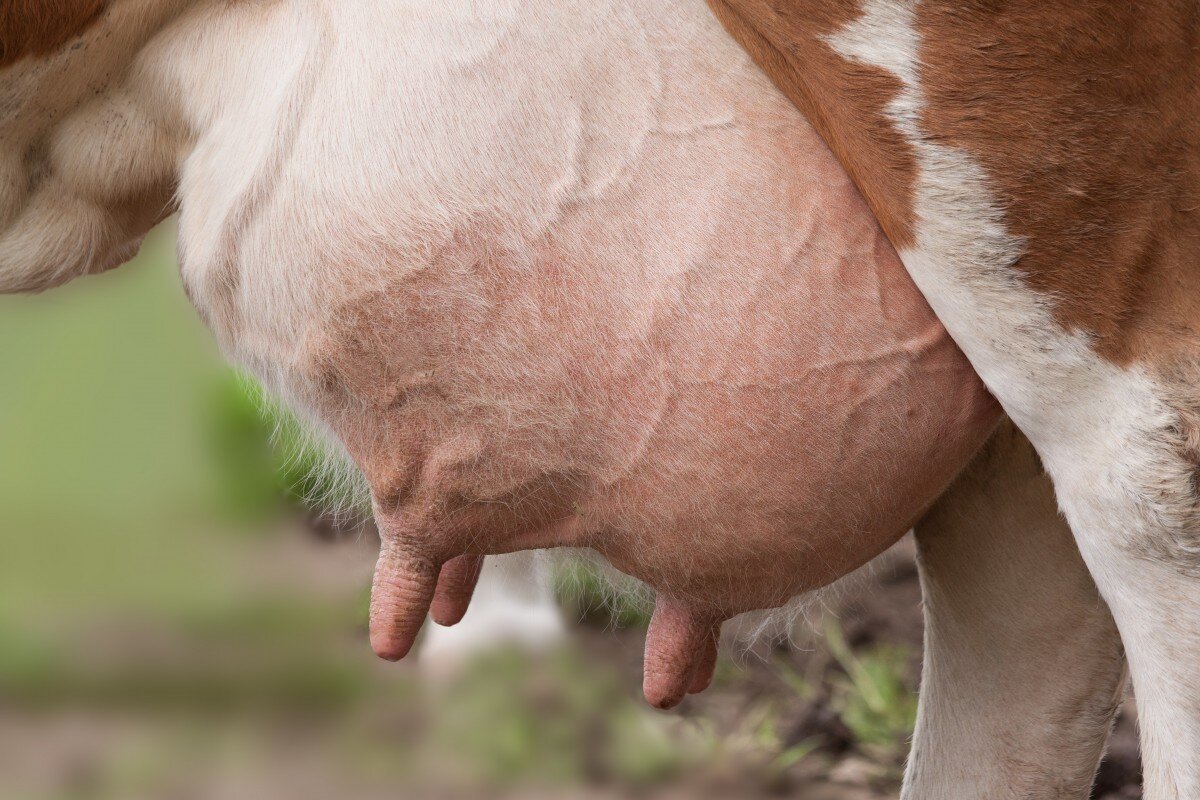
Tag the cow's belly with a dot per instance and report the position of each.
(737, 393)
(586, 282)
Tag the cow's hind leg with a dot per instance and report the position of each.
(1130, 493)
(1023, 665)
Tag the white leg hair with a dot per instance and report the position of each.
(1120, 441)
(1143, 559)
(513, 605)
(1023, 665)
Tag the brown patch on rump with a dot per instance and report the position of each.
(38, 27)
(844, 101)
(1084, 116)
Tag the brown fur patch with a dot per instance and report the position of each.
(31, 28)
(1083, 115)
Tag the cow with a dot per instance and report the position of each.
(1038, 168)
(575, 274)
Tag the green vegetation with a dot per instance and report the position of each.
(588, 595)
(559, 721)
(873, 696)
(109, 478)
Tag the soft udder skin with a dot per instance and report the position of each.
(601, 286)
(741, 421)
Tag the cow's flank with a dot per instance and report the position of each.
(1082, 117)
(1092, 144)
(37, 27)
(1053, 216)
(861, 134)
(1054, 226)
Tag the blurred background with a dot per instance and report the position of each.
(177, 623)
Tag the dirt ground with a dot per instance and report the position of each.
(883, 611)
(278, 703)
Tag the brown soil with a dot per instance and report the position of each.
(883, 610)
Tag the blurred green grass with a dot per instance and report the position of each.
(135, 474)
(107, 475)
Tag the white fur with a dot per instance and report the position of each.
(76, 141)
(1015, 632)
(1099, 428)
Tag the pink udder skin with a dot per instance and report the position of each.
(733, 391)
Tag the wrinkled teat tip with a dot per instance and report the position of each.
(681, 654)
(401, 594)
(391, 648)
